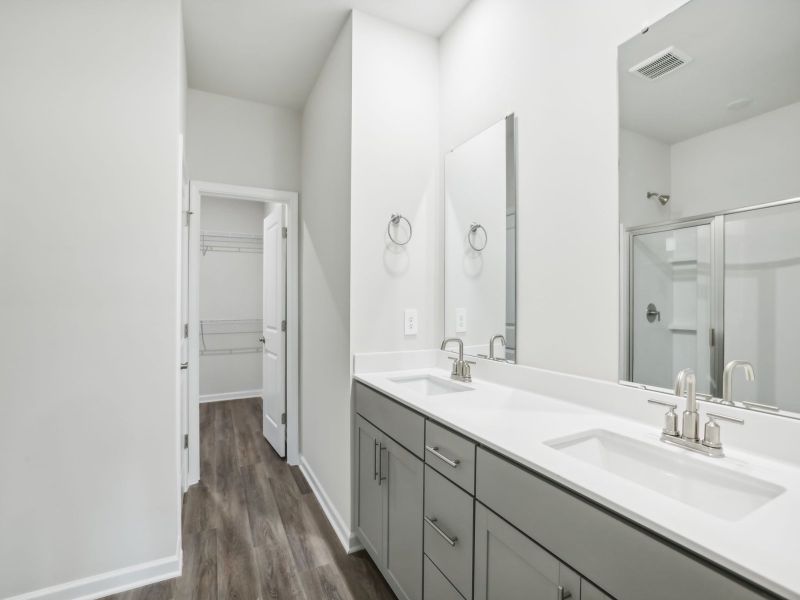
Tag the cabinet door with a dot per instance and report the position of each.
(369, 514)
(403, 485)
(591, 592)
(510, 566)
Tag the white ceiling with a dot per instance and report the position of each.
(271, 51)
(740, 49)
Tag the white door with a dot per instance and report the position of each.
(274, 334)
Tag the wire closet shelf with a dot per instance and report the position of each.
(230, 336)
(228, 241)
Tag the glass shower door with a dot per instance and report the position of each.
(671, 305)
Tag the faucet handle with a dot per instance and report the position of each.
(469, 362)
(670, 418)
(711, 437)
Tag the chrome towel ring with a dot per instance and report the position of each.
(473, 228)
(395, 220)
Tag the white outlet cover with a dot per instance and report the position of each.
(461, 320)
(411, 322)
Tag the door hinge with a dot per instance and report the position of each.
(283, 418)
(188, 214)
(712, 337)
(185, 330)
(284, 232)
(185, 441)
(283, 325)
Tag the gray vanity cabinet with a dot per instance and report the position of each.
(389, 493)
(509, 566)
(478, 526)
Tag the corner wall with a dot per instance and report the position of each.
(89, 117)
(325, 357)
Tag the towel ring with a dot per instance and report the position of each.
(395, 220)
(472, 229)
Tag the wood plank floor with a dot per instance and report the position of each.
(252, 528)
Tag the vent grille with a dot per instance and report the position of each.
(660, 64)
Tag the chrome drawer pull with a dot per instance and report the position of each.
(432, 522)
(453, 462)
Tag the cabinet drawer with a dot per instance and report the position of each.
(398, 422)
(448, 530)
(580, 534)
(450, 454)
(436, 585)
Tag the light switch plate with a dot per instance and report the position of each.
(461, 320)
(410, 321)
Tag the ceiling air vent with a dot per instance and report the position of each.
(658, 65)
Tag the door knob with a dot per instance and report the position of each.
(262, 339)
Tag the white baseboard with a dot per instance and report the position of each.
(112, 582)
(346, 537)
(231, 396)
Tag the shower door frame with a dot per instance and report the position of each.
(716, 333)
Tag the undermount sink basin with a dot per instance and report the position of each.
(705, 486)
(428, 385)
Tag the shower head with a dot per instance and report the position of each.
(662, 198)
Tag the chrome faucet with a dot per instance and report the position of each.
(492, 340)
(461, 369)
(727, 378)
(686, 383)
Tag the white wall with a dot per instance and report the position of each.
(240, 142)
(750, 162)
(231, 288)
(89, 117)
(644, 166)
(394, 170)
(554, 64)
(325, 418)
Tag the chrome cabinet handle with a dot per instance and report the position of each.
(562, 594)
(374, 459)
(432, 522)
(381, 448)
(453, 462)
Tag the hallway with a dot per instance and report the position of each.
(252, 528)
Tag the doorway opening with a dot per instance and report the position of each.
(241, 329)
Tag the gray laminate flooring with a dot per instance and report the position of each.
(252, 528)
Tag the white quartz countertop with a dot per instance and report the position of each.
(763, 546)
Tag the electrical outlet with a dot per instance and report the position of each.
(411, 321)
(461, 320)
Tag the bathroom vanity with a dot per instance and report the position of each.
(479, 491)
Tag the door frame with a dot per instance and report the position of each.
(197, 190)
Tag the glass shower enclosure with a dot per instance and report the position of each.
(705, 291)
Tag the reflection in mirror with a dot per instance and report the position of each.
(710, 200)
(480, 243)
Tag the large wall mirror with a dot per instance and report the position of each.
(710, 201)
(480, 299)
